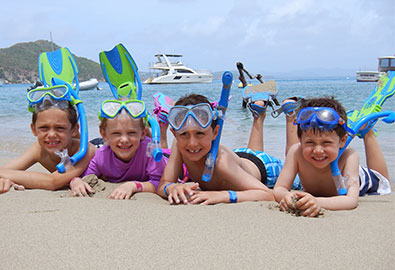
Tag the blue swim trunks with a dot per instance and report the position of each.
(372, 182)
(268, 165)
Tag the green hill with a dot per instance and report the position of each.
(18, 63)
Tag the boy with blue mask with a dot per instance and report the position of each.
(322, 132)
(238, 176)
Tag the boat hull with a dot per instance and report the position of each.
(368, 76)
(181, 79)
(88, 85)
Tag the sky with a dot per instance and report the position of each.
(268, 36)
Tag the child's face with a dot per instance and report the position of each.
(123, 134)
(194, 145)
(53, 130)
(321, 148)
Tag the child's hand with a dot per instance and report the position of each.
(5, 184)
(180, 191)
(80, 188)
(288, 202)
(124, 191)
(308, 204)
(212, 197)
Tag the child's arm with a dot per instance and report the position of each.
(126, 190)
(350, 170)
(240, 185)
(52, 181)
(311, 205)
(168, 188)
(282, 188)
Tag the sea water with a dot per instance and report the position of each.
(15, 119)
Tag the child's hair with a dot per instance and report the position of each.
(193, 99)
(103, 123)
(71, 115)
(330, 102)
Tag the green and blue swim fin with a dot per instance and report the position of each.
(120, 71)
(58, 64)
(384, 89)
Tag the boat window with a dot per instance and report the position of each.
(385, 62)
(392, 62)
(184, 71)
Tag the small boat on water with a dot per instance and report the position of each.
(386, 63)
(89, 84)
(175, 72)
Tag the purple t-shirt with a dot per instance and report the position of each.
(140, 168)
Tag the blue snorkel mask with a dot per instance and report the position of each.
(197, 117)
(59, 96)
(322, 118)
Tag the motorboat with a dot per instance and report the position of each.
(368, 76)
(175, 72)
(89, 84)
(386, 63)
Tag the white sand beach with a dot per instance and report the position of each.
(51, 230)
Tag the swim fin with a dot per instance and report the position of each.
(162, 104)
(384, 89)
(120, 72)
(58, 64)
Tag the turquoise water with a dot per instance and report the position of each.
(15, 119)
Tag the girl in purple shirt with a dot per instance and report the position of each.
(124, 158)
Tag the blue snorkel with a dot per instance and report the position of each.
(227, 79)
(65, 159)
(340, 181)
(154, 147)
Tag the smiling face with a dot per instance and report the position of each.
(321, 148)
(54, 130)
(123, 134)
(194, 145)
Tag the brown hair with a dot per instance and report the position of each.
(71, 115)
(330, 102)
(193, 99)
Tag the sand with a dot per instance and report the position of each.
(51, 230)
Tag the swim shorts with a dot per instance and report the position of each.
(372, 182)
(268, 165)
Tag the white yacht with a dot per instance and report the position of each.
(386, 63)
(173, 72)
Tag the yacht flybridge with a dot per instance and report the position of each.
(174, 71)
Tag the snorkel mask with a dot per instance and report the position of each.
(47, 97)
(58, 96)
(195, 117)
(322, 118)
(111, 108)
(136, 109)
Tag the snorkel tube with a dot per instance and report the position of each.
(65, 158)
(227, 79)
(340, 181)
(154, 146)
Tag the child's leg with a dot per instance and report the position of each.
(256, 135)
(291, 129)
(163, 136)
(374, 155)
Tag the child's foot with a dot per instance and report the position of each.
(289, 107)
(257, 108)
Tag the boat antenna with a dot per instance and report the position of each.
(50, 35)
